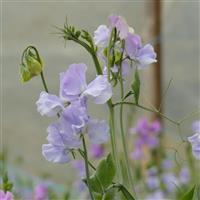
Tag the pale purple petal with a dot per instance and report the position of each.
(146, 56)
(73, 81)
(98, 131)
(157, 195)
(194, 139)
(49, 104)
(101, 36)
(76, 115)
(132, 45)
(155, 127)
(99, 89)
(55, 154)
(121, 25)
(152, 182)
(170, 181)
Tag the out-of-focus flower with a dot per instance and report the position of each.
(101, 36)
(153, 182)
(157, 195)
(196, 127)
(170, 181)
(184, 175)
(167, 164)
(146, 136)
(142, 55)
(41, 192)
(120, 24)
(195, 142)
(6, 195)
(96, 150)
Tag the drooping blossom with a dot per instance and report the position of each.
(195, 143)
(6, 195)
(41, 192)
(146, 136)
(97, 150)
(142, 55)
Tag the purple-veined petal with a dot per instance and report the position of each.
(99, 89)
(98, 131)
(101, 36)
(73, 81)
(55, 154)
(48, 104)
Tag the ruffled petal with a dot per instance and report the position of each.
(101, 36)
(55, 154)
(48, 104)
(73, 81)
(99, 89)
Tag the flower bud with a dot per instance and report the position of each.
(31, 64)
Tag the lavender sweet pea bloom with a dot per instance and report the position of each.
(73, 85)
(6, 195)
(62, 139)
(195, 142)
(121, 25)
(101, 36)
(49, 104)
(143, 55)
(97, 150)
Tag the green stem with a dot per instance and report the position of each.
(147, 109)
(124, 144)
(87, 168)
(44, 82)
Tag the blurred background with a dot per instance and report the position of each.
(32, 22)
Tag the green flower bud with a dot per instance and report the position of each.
(25, 73)
(31, 64)
(34, 65)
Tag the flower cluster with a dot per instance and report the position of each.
(146, 136)
(195, 140)
(141, 55)
(64, 135)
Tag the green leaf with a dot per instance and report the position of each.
(109, 195)
(103, 176)
(189, 195)
(136, 86)
(126, 193)
(106, 171)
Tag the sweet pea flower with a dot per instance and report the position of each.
(195, 142)
(41, 192)
(120, 24)
(101, 36)
(49, 105)
(142, 55)
(6, 195)
(73, 85)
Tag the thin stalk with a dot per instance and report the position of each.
(127, 163)
(87, 168)
(44, 82)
